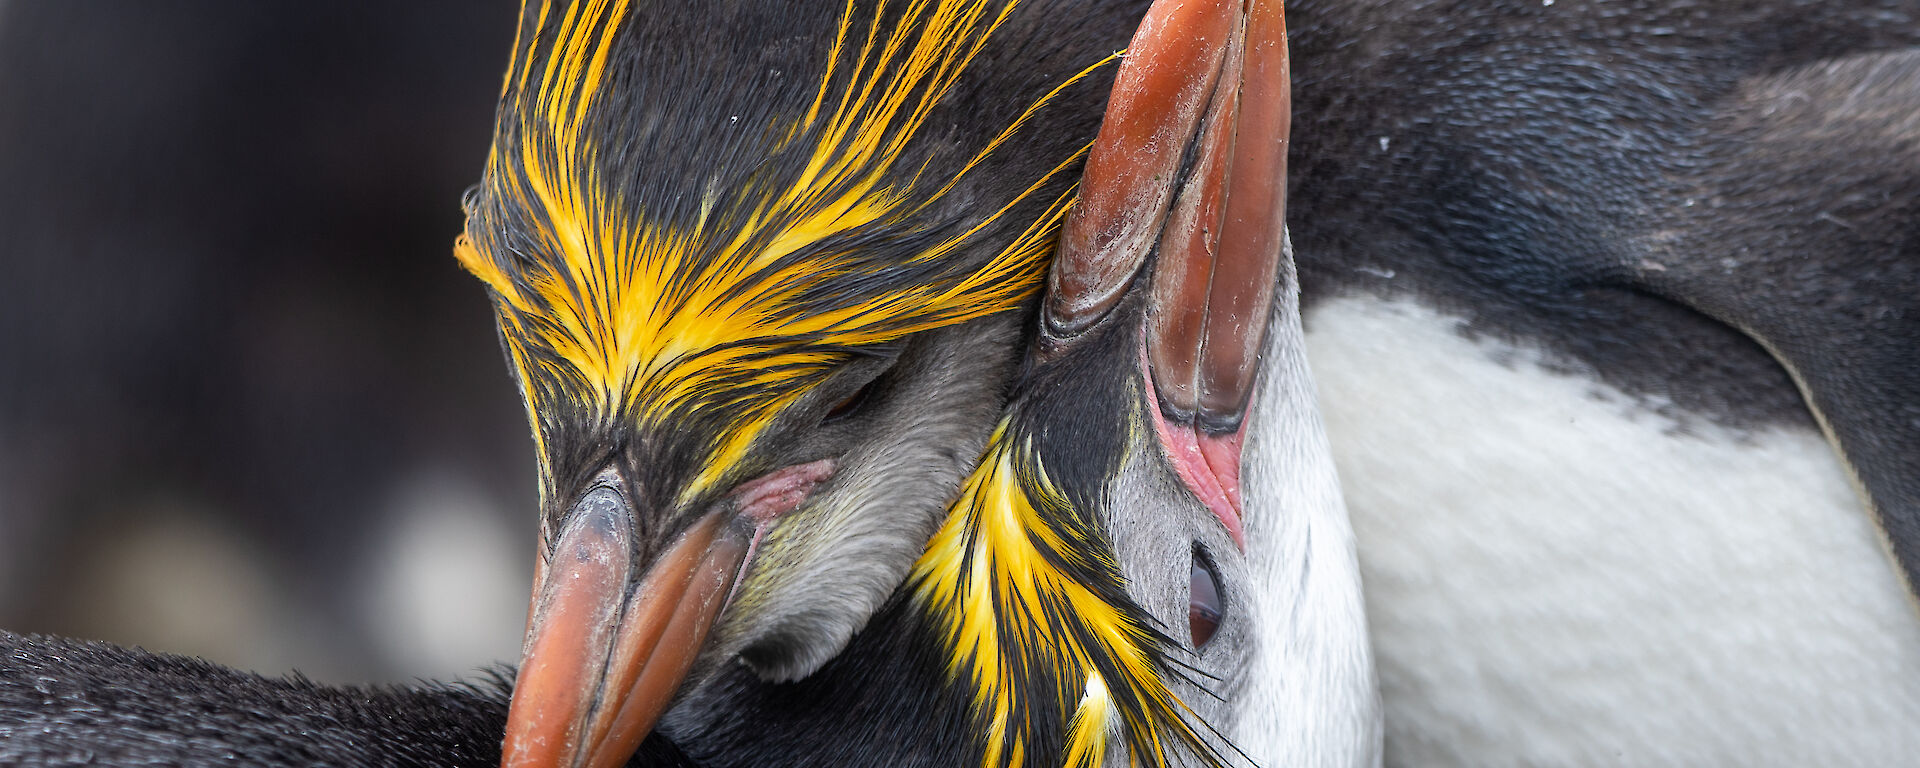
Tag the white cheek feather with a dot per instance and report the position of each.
(1557, 576)
(1311, 697)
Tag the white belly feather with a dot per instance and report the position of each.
(1557, 576)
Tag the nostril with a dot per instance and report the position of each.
(1204, 607)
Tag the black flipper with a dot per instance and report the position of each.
(1801, 227)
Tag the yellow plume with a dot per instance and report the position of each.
(1040, 629)
(743, 309)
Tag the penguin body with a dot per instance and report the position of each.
(1555, 576)
(1610, 308)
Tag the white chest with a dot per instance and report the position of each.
(1556, 576)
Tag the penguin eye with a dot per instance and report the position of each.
(852, 403)
(880, 369)
(1203, 602)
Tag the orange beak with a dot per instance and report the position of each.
(1191, 164)
(608, 646)
(605, 652)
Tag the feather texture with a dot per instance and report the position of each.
(616, 304)
(1024, 585)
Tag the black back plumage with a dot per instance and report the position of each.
(1509, 161)
(1608, 180)
(67, 702)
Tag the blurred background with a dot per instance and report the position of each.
(250, 407)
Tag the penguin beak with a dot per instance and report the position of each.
(606, 650)
(1190, 164)
(609, 642)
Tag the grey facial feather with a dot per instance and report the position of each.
(824, 570)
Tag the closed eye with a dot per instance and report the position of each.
(850, 404)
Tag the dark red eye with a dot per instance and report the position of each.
(1203, 604)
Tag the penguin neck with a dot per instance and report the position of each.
(1312, 696)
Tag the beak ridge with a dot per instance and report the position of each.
(577, 599)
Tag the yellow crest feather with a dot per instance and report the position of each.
(1010, 576)
(641, 318)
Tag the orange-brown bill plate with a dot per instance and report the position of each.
(605, 654)
(1159, 94)
(1190, 167)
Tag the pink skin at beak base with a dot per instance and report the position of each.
(1209, 465)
